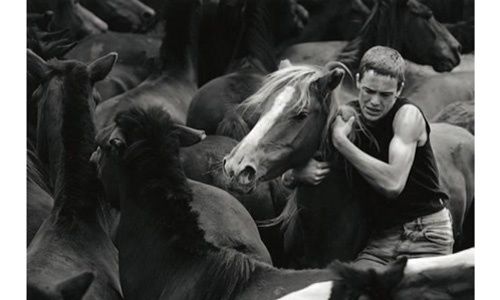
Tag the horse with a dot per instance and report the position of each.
(174, 84)
(70, 14)
(293, 125)
(441, 277)
(122, 15)
(253, 58)
(459, 114)
(137, 55)
(72, 255)
(396, 24)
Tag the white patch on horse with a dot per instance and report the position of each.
(316, 291)
(268, 120)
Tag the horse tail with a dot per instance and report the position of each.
(233, 126)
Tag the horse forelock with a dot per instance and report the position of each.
(300, 77)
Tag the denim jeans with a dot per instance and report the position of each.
(430, 235)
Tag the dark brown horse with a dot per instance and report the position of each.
(173, 86)
(293, 124)
(252, 58)
(71, 255)
(122, 15)
(407, 26)
(69, 14)
(137, 55)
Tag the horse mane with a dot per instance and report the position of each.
(77, 192)
(382, 27)
(35, 171)
(151, 159)
(299, 76)
(178, 47)
(233, 126)
(256, 37)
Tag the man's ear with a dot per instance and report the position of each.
(400, 90)
(357, 80)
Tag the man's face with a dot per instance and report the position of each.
(377, 94)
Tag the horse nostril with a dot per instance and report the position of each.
(249, 173)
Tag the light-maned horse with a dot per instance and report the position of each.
(69, 14)
(173, 86)
(327, 221)
(72, 255)
(122, 15)
(252, 57)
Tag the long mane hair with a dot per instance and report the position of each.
(79, 188)
(151, 161)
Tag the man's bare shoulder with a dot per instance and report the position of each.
(409, 123)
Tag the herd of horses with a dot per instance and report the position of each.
(158, 131)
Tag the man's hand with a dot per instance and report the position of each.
(341, 130)
(311, 173)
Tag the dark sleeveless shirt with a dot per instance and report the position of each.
(421, 195)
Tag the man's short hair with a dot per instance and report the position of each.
(384, 61)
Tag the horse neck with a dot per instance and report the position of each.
(382, 27)
(254, 50)
(76, 184)
(178, 50)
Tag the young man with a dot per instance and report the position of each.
(395, 168)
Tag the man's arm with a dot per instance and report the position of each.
(312, 173)
(387, 178)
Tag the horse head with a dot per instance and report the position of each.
(123, 15)
(113, 141)
(62, 82)
(294, 105)
(82, 22)
(424, 40)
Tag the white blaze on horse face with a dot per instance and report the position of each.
(268, 120)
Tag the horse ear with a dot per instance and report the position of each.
(284, 64)
(76, 287)
(189, 136)
(101, 67)
(332, 79)
(37, 66)
(117, 141)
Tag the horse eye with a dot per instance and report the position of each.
(301, 115)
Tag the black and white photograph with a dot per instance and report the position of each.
(250, 149)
